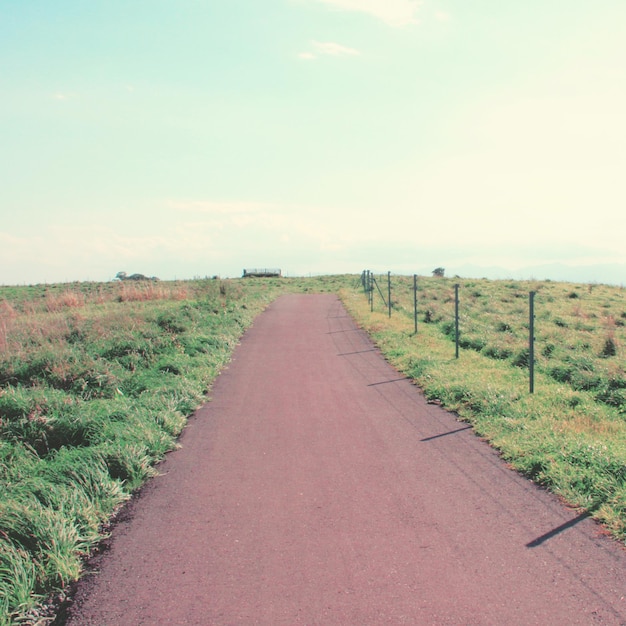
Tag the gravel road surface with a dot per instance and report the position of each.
(319, 487)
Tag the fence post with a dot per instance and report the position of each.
(371, 290)
(389, 291)
(531, 342)
(415, 301)
(456, 319)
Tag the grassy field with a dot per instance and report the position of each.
(97, 381)
(570, 435)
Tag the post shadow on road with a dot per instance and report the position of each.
(563, 527)
(451, 432)
(357, 352)
(386, 382)
(345, 330)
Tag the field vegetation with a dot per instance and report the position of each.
(570, 434)
(96, 383)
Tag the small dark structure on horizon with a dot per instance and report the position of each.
(262, 273)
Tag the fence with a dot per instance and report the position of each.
(577, 341)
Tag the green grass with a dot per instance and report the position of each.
(570, 435)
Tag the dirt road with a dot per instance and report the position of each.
(318, 487)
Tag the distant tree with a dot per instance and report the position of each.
(125, 276)
(439, 272)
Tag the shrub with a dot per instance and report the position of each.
(561, 373)
(522, 358)
(612, 397)
(495, 351)
(448, 329)
(172, 322)
(609, 348)
(472, 341)
(503, 327)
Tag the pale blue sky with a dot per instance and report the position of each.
(184, 138)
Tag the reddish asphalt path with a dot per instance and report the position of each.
(318, 487)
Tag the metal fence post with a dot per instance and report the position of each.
(531, 342)
(415, 301)
(389, 291)
(456, 320)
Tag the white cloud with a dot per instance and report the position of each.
(392, 12)
(333, 49)
(307, 56)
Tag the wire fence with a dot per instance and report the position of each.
(575, 338)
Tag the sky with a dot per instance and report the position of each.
(192, 138)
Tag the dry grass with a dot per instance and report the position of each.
(52, 314)
(7, 317)
(3, 334)
(139, 292)
(67, 300)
